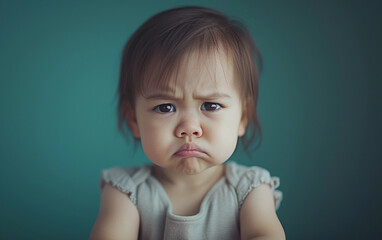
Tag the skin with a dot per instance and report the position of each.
(198, 109)
(201, 109)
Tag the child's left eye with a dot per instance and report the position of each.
(210, 106)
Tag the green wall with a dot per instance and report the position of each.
(320, 109)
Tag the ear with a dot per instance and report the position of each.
(132, 122)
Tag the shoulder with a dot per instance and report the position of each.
(258, 200)
(118, 215)
(126, 180)
(244, 179)
(258, 216)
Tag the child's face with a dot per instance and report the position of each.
(195, 126)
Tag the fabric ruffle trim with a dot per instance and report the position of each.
(256, 176)
(119, 179)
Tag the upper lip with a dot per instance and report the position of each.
(189, 147)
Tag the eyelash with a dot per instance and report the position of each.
(159, 110)
(218, 106)
(171, 108)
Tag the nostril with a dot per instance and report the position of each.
(185, 133)
(190, 131)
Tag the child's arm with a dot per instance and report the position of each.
(258, 219)
(118, 217)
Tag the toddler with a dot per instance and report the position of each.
(188, 90)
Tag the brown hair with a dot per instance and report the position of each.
(157, 47)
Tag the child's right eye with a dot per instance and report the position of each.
(165, 108)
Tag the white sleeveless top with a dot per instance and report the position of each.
(219, 213)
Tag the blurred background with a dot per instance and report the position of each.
(320, 109)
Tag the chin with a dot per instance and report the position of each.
(190, 166)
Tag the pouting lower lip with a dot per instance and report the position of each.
(189, 153)
(189, 147)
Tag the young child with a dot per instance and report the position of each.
(188, 89)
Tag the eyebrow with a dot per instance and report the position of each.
(172, 97)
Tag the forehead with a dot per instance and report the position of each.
(201, 70)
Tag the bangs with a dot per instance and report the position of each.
(163, 71)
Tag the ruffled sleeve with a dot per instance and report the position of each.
(245, 179)
(121, 179)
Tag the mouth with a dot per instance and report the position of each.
(189, 150)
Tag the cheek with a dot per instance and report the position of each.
(223, 136)
(154, 139)
(223, 147)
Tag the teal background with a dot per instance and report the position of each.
(320, 109)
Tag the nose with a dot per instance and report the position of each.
(188, 128)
